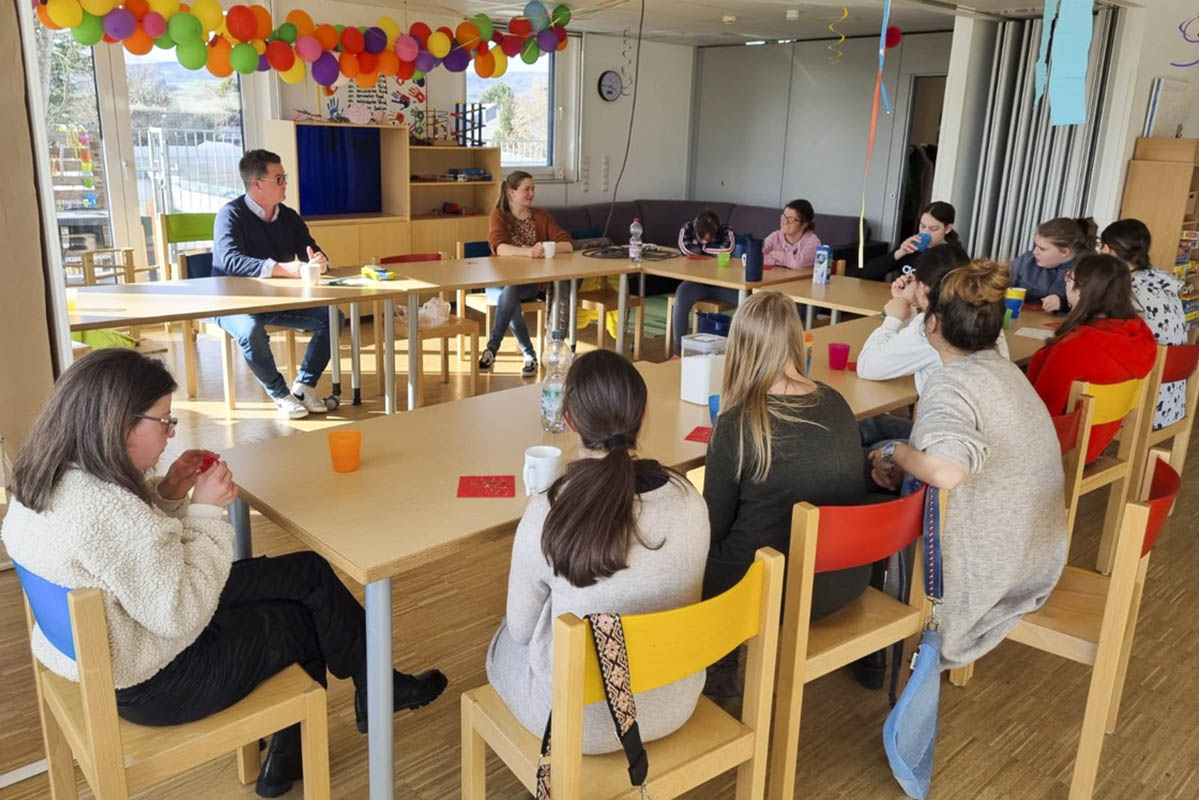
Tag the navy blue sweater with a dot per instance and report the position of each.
(242, 241)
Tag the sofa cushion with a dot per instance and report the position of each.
(570, 218)
(622, 217)
(663, 218)
(757, 220)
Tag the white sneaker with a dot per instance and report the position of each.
(290, 407)
(308, 398)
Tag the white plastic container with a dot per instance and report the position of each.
(702, 368)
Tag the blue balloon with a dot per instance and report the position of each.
(538, 17)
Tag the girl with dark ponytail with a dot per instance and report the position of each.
(614, 533)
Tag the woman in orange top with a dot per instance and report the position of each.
(1102, 340)
(518, 229)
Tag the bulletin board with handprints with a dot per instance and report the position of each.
(389, 101)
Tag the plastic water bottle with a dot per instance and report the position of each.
(557, 362)
(635, 231)
(824, 261)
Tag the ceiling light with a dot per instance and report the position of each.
(792, 14)
(728, 19)
(755, 42)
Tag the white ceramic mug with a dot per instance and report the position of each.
(542, 465)
(550, 248)
(310, 274)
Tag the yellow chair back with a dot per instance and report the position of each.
(1112, 401)
(665, 646)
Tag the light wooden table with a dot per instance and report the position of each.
(1021, 347)
(707, 271)
(198, 298)
(841, 293)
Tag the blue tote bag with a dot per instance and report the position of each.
(910, 732)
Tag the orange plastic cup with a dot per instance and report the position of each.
(344, 448)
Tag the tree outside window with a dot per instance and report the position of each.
(517, 116)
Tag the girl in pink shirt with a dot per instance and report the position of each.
(794, 244)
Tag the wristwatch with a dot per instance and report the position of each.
(888, 451)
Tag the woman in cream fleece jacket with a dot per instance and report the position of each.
(190, 632)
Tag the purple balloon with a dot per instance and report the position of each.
(458, 59)
(425, 61)
(263, 64)
(374, 40)
(547, 40)
(119, 23)
(325, 69)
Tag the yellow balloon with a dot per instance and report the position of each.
(439, 44)
(209, 13)
(165, 7)
(390, 27)
(259, 46)
(98, 7)
(64, 13)
(295, 74)
(501, 61)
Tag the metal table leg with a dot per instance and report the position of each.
(414, 360)
(809, 316)
(622, 306)
(355, 353)
(380, 748)
(239, 518)
(335, 350)
(389, 356)
(574, 311)
(834, 316)
(741, 295)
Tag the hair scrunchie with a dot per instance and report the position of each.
(616, 440)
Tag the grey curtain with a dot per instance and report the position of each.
(1032, 171)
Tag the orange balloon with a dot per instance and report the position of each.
(366, 80)
(45, 18)
(389, 62)
(562, 44)
(139, 42)
(263, 17)
(348, 63)
(303, 22)
(185, 7)
(218, 57)
(138, 8)
(327, 35)
(484, 64)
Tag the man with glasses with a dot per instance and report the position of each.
(257, 236)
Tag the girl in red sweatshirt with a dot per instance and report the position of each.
(1102, 340)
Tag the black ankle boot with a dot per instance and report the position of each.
(284, 764)
(871, 671)
(407, 692)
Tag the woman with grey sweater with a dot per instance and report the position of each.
(983, 434)
(614, 534)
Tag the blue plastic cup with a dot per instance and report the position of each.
(713, 407)
(925, 240)
(1014, 304)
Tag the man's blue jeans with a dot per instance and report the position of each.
(249, 330)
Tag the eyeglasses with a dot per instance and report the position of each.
(785, 218)
(168, 422)
(279, 179)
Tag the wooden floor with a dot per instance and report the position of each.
(1011, 734)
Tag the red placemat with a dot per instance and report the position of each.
(487, 486)
(700, 435)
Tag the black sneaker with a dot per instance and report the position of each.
(487, 359)
(870, 671)
(529, 367)
(407, 692)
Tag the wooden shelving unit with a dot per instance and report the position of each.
(434, 231)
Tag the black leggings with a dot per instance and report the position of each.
(273, 612)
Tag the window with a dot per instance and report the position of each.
(518, 112)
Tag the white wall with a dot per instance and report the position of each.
(780, 121)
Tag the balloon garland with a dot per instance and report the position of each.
(245, 40)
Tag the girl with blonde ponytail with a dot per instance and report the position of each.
(615, 533)
(983, 435)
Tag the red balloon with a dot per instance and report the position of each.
(138, 8)
(280, 55)
(242, 23)
(497, 36)
(367, 62)
(420, 31)
(560, 32)
(351, 40)
(511, 46)
(447, 31)
(893, 37)
(405, 70)
(107, 38)
(482, 48)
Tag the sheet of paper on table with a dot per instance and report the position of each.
(1035, 333)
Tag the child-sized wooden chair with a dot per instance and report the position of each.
(1091, 618)
(825, 539)
(479, 301)
(119, 758)
(1176, 362)
(662, 647)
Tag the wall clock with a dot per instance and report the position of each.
(610, 85)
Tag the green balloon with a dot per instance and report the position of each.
(417, 74)
(287, 33)
(164, 42)
(560, 16)
(191, 55)
(244, 58)
(183, 26)
(530, 52)
(89, 31)
(483, 23)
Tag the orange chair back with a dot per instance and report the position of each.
(1163, 491)
(1181, 361)
(850, 536)
(410, 257)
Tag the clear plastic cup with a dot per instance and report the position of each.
(345, 448)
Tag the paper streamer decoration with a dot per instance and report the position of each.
(1066, 42)
(835, 48)
(1041, 70)
(879, 90)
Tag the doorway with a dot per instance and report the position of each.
(924, 129)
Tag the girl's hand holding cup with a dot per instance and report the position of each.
(215, 486)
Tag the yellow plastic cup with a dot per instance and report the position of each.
(345, 448)
(1017, 292)
(72, 299)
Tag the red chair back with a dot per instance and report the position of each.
(1181, 361)
(409, 257)
(850, 536)
(1068, 427)
(1163, 491)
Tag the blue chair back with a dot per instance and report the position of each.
(49, 603)
(476, 250)
(198, 265)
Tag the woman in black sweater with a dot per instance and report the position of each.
(936, 223)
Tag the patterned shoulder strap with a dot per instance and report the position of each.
(608, 633)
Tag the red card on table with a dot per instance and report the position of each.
(487, 486)
(1053, 324)
(700, 435)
